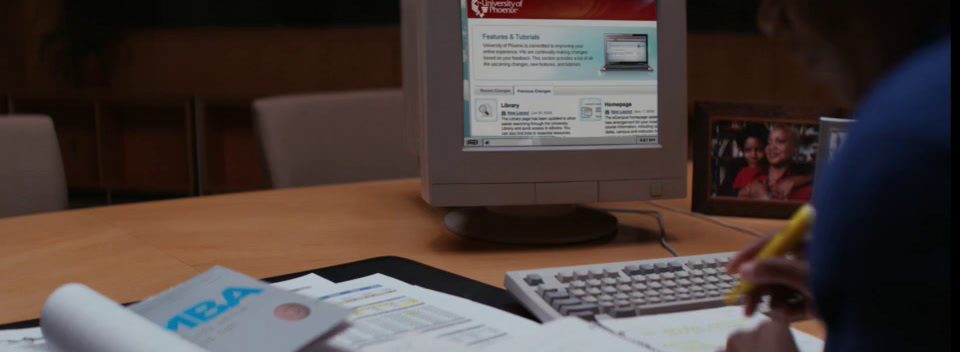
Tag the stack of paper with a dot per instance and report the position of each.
(388, 315)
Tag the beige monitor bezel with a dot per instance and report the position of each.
(433, 82)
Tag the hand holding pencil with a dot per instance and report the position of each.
(764, 270)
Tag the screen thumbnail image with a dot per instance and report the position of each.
(486, 110)
(591, 109)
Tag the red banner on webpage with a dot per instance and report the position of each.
(599, 10)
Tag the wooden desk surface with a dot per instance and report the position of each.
(135, 251)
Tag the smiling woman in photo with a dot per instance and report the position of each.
(782, 180)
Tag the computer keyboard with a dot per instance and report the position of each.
(625, 289)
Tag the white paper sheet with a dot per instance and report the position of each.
(388, 309)
(78, 319)
(22, 340)
(305, 283)
(418, 343)
(568, 335)
(704, 330)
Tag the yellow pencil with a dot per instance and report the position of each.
(790, 238)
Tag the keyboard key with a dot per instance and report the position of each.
(650, 293)
(565, 277)
(709, 287)
(695, 264)
(683, 282)
(638, 278)
(608, 289)
(594, 283)
(590, 299)
(713, 293)
(646, 269)
(594, 291)
(698, 281)
(699, 295)
(653, 277)
(726, 278)
(611, 272)
(724, 285)
(661, 267)
(596, 274)
(636, 295)
(655, 285)
(624, 280)
(578, 284)
(606, 306)
(638, 301)
(631, 270)
(621, 296)
(682, 290)
(581, 274)
(555, 295)
(565, 302)
(654, 300)
(585, 307)
(543, 289)
(676, 266)
(712, 280)
(608, 281)
(624, 288)
(639, 287)
(684, 296)
(669, 298)
(623, 312)
(582, 315)
(683, 275)
(578, 293)
(710, 271)
(668, 276)
(669, 283)
(621, 303)
(605, 298)
(666, 292)
(709, 263)
(696, 288)
(533, 279)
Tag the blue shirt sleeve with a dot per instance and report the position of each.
(880, 254)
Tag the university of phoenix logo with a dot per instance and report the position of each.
(483, 7)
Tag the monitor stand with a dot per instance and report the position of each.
(534, 224)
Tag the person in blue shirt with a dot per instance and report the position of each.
(876, 269)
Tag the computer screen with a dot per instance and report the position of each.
(546, 102)
(559, 74)
(626, 48)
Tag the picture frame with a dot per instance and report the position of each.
(734, 171)
(833, 134)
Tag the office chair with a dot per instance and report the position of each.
(32, 179)
(330, 138)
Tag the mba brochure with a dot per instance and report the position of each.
(222, 310)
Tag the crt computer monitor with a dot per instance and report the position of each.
(517, 120)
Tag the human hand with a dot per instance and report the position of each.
(783, 279)
(781, 190)
(755, 190)
(772, 336)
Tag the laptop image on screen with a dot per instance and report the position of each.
(626, 52)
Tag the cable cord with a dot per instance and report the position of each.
(707, 218)
(663, 229)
